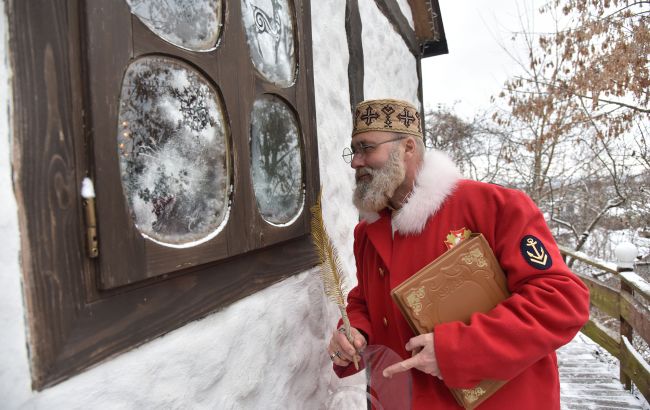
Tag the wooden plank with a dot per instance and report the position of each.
(609, 340)
(635, 367)
(437, 45)
(429, 30)
(636, 315)
(107, 54)
(46, 181)
(637, 283)
(422, 19)
(355, 49)
(596, 263)
(238, 229)
(83, 147)
(306, 101)
(602, 296)
(626, 331)
(391, 10)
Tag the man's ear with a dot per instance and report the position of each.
(409, 146)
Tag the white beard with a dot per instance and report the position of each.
(373, 195)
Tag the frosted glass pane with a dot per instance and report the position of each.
(276, 160)
(173, 152)
(270, 33)
(193, 25)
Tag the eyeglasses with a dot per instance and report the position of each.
(362, 149)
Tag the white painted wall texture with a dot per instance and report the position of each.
(334, 123)
(265, 351)
(390, 69)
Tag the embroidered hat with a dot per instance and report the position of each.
(387, 115)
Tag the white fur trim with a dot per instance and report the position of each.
(435, 181)
(369, 217)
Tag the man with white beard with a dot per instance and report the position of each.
(414, 205)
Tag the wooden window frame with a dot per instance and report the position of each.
(72, 323)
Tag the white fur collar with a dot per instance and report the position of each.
(435, 181)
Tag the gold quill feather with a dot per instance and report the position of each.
(330, 267)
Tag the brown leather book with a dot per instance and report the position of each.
(464, 280)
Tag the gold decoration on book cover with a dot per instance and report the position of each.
(475, 256)
(414, 299)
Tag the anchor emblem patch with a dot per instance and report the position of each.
(535, 253)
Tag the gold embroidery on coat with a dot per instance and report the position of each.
(471, 395)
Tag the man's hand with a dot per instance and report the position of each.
(341, 351)
(424, 357)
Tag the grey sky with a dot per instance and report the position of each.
(476, 66)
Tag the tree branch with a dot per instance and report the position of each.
(566, 224)
(564, 90)
(625, 8)
(585, 235)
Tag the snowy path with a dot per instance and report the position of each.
(589, 379)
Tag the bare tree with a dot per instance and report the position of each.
(604, 51)
(578, 114)
(475, 145)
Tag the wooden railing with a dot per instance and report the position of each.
(627, 305)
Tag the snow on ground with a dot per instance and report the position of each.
(589, 379)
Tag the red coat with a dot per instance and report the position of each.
(515, 341)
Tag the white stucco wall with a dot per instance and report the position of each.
(333, 116)
(390, 69)
(256, 353)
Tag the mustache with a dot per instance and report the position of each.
(361, 172)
